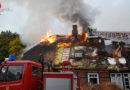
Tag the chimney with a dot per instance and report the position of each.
(74, 31)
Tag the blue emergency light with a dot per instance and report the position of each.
(11, 57)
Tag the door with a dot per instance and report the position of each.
(36, 78)
(117, 79)
(11, 77)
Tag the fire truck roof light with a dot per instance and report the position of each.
(11, 57)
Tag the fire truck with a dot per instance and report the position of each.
(29, 75)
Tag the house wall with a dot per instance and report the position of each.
(104, 76)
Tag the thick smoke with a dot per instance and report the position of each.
(76, 11)
(53, 15)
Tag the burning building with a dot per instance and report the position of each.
(88, 55)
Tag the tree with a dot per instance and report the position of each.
(6, 40)
(16, 47)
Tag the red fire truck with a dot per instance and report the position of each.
(27, 75)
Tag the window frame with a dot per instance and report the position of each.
(78, 54)
(124, 77)
(8, 65)
(97, 77)
(116, 76)
(4, 80)
(38, 68)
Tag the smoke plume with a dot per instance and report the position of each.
(53, 15)
(76, 11)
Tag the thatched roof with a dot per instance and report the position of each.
(34, 53)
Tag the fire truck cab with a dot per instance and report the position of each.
(20, 75)
(27, 75)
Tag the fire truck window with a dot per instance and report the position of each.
(36, 71)
(2, 74)
(14, 73)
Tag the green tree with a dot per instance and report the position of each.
(6, 37)
(16, 47)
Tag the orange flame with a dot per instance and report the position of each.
(116, 52)
(49, 38)
(86, 36)
(82, 37)
(60, 44)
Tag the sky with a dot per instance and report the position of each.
(112, 15)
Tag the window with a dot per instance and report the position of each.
(11, 73)
(112, 75)
(78, 54)
(36, 71)
(2, 74)
(14, 73)
(117, 79)
(127, 81)
(93, 78)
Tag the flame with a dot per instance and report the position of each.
(86, 36)
(49, 38)
(68, 36)
(116, 52)
(61, 44)
(48, 34)
(83, 36)
(80, 33)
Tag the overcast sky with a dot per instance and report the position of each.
(113, 15)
